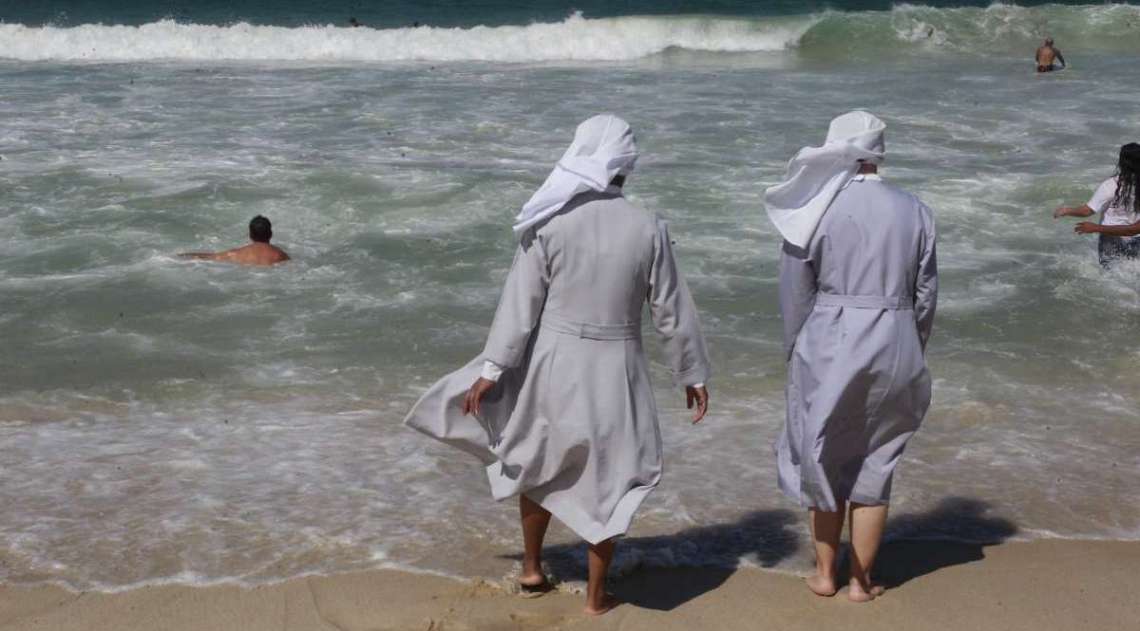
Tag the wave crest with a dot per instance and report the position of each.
(575, 38)
(998, 29)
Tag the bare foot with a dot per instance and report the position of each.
(608, 603)
(821, 585)
(856, 593)
(536, 579)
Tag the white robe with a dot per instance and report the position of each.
(572, 423)
(858, 308)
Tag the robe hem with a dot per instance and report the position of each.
(801, 498)
(591, 531)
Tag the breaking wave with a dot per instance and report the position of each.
(997, 29)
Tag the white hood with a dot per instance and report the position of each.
(816, 174)
(603, 148)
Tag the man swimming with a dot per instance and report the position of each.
(257, 252)
(1047, 54)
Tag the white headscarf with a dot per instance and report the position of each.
(603, 147)
(817, 174)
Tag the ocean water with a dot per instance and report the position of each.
(166, 420)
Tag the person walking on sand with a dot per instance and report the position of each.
(564, 414)
(1117, 199)
(1047, 54)
(858, 287)
(257, 252)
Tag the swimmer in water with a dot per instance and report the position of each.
(257, 252)
(353, 23)
(1047, 54)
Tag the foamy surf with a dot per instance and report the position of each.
(999, 28)
(574, 39)
(162, 420)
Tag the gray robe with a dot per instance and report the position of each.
(858, 308)
(572, 423)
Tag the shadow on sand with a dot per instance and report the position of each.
(698, 560)
(692, 562)
(955, 532)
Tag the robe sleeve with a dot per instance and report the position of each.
(798, 287)
(520, 306)
(926, 280)
(491, 371)
(675, 315)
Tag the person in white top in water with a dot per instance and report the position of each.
(1117, 199)
(858, 289)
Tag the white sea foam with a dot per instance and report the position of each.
(239, 425)
(999, 28)
(575, 38)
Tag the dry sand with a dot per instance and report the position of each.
(1038, 586)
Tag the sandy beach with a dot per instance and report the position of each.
(1037, 586)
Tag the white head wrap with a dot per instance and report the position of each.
(817, 174)
(603, 147)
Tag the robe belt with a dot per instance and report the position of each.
(898, 303)
(629, 331)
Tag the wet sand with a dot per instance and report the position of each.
(1035, 586)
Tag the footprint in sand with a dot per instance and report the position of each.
(535, 620)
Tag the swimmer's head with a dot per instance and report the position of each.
(260, 229)
(1128, 178)
(1048, 41)
(1130, 155)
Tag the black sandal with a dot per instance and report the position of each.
(534, 591)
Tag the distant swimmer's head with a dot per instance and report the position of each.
(260, 230)
(1048, 41)
(1128, 178)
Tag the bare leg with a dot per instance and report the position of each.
(535, 519)
(598, 601)
(867, 525)
(826, 527)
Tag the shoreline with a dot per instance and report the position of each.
(1030, 586)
